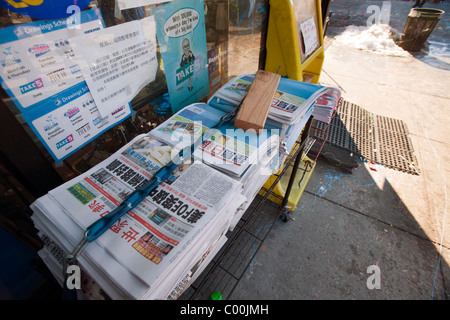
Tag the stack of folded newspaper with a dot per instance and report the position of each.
(326, 105)
(292, 106)
(292, 101)
(247, 157)
(159, 247)
(230, 150)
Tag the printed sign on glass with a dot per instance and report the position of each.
(180, 28)
(38, 71)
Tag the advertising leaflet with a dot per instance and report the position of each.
(218, 65)
(75, 122)
(43, 79)
(37, 61)
(309, 36)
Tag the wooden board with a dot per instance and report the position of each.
(256, 105)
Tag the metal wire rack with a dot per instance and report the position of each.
(228, 266)
(237, 255)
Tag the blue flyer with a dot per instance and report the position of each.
(39, 72)
(180, 29)
(36, 60)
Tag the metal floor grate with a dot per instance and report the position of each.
(375, 138)
(379, 139)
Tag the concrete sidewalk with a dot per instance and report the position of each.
(393, 220)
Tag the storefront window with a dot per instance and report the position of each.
(228, 39)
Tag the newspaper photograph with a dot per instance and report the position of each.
(229, 149)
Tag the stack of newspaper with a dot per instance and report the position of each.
(292, 101)
(326, 105)
(292, 106)
(157, 245)
(245, 156)
(157, 249)
(230, 150)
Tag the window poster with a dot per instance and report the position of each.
(45, 9)
(117, 62)
(180, 29)
(38, 71)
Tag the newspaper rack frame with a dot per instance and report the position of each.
(313, 129)
(197, 287)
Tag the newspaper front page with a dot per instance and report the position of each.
(290, 103)
(149, 238)
(228, 149)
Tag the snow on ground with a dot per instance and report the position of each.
(378, 38)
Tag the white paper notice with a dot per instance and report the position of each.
(127, 4)
(309, 34)
(117, 62)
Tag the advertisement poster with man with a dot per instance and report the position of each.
(180, 28)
